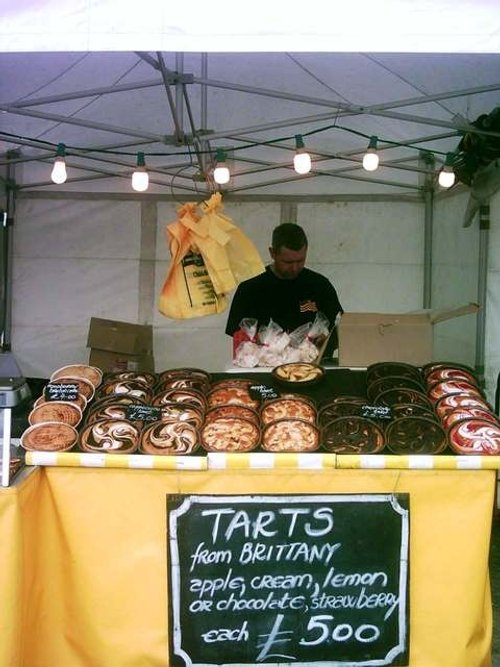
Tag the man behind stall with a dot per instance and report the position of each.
(287, 292)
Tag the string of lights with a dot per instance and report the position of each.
(302, 161)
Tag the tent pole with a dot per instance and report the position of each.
(484, 231)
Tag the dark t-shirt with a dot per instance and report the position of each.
(289, 303)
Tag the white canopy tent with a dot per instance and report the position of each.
(110, 80)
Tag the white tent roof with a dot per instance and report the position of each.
(109, 79)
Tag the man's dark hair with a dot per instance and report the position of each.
(289, 235)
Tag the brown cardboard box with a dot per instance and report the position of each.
(367, 338)
(119, 345)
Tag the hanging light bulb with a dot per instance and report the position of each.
(446, 176)
(370, 158)
(221, 171)
(58, 173)
(140, 178)
(301, 159)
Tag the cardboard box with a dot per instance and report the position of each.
(119, 345)
(368, 338)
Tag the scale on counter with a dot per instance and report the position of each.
(13, 391)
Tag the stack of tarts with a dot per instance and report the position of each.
(469, 420)
(53, 423)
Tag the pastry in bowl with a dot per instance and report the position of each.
(171, 438)
(230, 434)
(56, 411)
(290, 435)
(112, 436)
(298, 373)
(90, 373)
(49, 437)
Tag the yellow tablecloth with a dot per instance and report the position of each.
(84, 559)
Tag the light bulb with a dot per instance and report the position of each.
(301, 159)
(58, 174)
(370, 158)
(221, 174)
(446, 178)
(302, 163)
(140, 177)
(221, 171)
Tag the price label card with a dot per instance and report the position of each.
(61, 391)
(143, 413)
(376, 411)
(263, 392)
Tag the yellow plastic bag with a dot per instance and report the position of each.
(210, 257)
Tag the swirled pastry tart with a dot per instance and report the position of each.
(186, 396)
(290, 435)
(475, 436)
(111, 436)
(412, 410)
(130, 387)
(113, 407)
(183, 412)
(56, 411)
(287, 408)
(449, 387)
(352, 435)
(396, 395)
(384, 369)
(449, 403)
(230, 434)
(181, 382)
(330, 411)
(196, 373)
(171, 438)
(467, 413)
(376, 387)
(146, 378)
(446, 373)
(49, 437)
(415, 435)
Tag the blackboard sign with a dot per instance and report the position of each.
(263, 392)
(143, 413)
(61, 391)
(296, 579)
(376, 411)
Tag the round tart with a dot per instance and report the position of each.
(458, 414)
(90, 373)
(360, 400)
(84, 386)
(290, 435)
(412, 410)
(230, 434)
(171, 373)
(301, 373)
(113, 407)
(449, 387)
(231, 394)
(429, 368)
(232, 411)
(232, 382)
(130, 387)
(444, 373)
(183, 412)
(286, 408)
(475, 436)
(137, 376)
(198, 383)
(415, 435)
(66, 412)
(49, 437)
(80, 400)
(331, 411)
(352, 435)
(376, 387)
(384, 369)
(111, 436)
(448, 403)
(402, 395)
(188, 396)
(172, 438)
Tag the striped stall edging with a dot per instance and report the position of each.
(129, 461)
(269, 461)
(417, 462)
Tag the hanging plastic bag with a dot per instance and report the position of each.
(210, 256)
